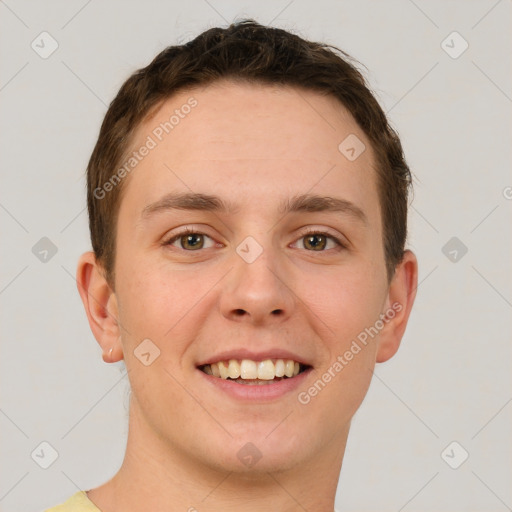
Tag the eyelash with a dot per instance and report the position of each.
(308, 232)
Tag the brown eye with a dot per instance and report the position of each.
(192, 241)
(316, 242)
(320, 241)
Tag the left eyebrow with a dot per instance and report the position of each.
(316, 203)
(298, 203)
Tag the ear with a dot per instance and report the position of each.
(100, 305)
(401, 295)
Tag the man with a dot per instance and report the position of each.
(248, 209)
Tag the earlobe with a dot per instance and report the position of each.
(100, 305)
(401, 295)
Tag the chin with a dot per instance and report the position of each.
(259, 453)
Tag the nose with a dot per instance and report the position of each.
(258, 293)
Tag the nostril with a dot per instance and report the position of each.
(277, 312)
(239, 312)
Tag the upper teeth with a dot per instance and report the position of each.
(248, 369)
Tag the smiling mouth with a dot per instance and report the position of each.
(250, 372)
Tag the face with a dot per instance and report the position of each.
(282, 261)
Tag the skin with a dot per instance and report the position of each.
(254, 145)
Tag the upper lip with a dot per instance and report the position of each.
(242, 353)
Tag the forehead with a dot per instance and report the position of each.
(266, 141)
(245, 115)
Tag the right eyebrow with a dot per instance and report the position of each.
(188, 201)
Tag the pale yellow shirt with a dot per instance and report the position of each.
(79, 502)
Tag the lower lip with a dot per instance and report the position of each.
(257, 392)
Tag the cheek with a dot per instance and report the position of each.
(163, 305)
(337, 390)
(346, 300)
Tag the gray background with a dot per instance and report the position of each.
(450, 380)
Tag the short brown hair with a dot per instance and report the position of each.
(249, 52)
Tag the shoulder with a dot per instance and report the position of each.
(79, 502)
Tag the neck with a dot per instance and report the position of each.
(159, 477)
